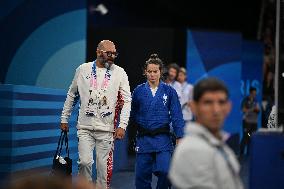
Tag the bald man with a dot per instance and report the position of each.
(104, 93)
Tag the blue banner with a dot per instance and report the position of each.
(217, 54)
(252, 62)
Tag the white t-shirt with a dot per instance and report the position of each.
(177, 86)
(185, 97)
(154, 90)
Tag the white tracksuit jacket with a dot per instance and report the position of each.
(80, 88)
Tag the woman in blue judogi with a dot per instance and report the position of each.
(154, 106)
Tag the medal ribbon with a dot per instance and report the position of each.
(93, 81)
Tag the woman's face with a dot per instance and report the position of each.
(153, 73)
(181, 77)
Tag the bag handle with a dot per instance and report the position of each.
(66, 143)
(58, 145)
(61, 140)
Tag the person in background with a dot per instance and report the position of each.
(171, 79)
(154, 106)
(172, 74)
(250, 108)
(98, 85)
(186, 95)
(202, 159)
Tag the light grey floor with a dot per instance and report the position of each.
(125, 179)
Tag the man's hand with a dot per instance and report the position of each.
(119, 133)
(64, 127)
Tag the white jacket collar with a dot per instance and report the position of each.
(194, 128)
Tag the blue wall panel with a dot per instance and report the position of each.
(38, 39)
(29, 134)
(217, 54)
(267, 161)
(252, 73)
(29, 131)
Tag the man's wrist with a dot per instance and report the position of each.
(122, 128)
(122, 125)
(64, 120)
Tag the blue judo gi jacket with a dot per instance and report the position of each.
(156, 112)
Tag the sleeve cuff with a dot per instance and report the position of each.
(179, 133)
(122, 125)
(64, 120)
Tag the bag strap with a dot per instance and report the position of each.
(63, 139)
(66, 143)
(58, 145)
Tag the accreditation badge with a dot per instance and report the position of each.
(105, 111)
(93, 104)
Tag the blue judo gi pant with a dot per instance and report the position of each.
(154, 162)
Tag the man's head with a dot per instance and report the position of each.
(210, 103)
(252, 92)
(173, 70)
(106, 53)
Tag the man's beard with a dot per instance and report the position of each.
(107, 63)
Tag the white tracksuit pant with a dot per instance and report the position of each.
(102, 142)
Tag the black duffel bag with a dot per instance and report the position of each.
(62, 166)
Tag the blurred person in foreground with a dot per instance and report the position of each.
(154, 106)
(202, 159)
(101, 86)
(47, 182)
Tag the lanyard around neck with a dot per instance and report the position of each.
(93, 81)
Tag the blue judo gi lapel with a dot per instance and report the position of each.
(149, 97)
(160, 97)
